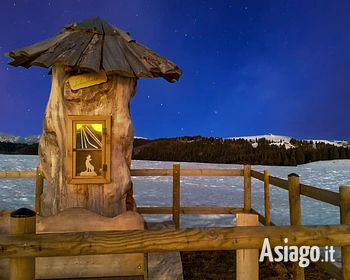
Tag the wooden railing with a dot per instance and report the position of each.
(205, 239)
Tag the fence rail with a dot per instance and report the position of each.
(323, 195)
(168, 240)
(37, 245)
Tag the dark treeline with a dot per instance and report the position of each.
(240, 151)
(18, 148)
(217, 150)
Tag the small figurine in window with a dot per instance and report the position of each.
(89, 166)
(90, 169)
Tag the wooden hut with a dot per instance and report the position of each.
(86, 144)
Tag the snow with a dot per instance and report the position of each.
(203, 191)
(285, 140)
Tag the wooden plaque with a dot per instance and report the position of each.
(87, 80)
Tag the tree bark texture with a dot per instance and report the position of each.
(111, 98)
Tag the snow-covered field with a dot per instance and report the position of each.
(203, 191)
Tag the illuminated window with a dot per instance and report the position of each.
(88, 152)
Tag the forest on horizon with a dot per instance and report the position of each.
(217, 150)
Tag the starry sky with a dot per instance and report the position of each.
(249, 67)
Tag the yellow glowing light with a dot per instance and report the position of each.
(96, 126)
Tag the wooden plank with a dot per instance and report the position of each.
(193, 239)
(151, 172)
(278, 182)
(78, 219)
(39, 47)
(176, 195)
(71, 54)
(87, 80)
(89, 266)
(190, 210)
(247, 189)
(135, 62)
(114, 60)
(109, 29)
(295, 216)
(39, 187)
(4, 269)
(17, 174)
(144, 172)
(155, 210)
(47, 58)
(258, 175)
(320, 194)
(211, 172)
(91, 57)
(345, 220)
(247, 257)
(210, 210)
(154, 62)
(92, 24)
(267, 198)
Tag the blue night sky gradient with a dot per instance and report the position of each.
(249, 67)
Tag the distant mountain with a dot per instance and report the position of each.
(5, 137)
(32, 139)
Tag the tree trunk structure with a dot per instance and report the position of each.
(111, 98)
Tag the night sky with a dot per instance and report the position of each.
(249, 67)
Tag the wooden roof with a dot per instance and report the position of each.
(94, 44)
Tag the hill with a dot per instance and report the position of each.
(256, 150)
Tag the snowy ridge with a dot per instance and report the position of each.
(6, 137)
(285, 141)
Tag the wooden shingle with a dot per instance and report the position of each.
(94, 44)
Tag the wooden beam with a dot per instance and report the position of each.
(187, 172)
(176, 195)
(193, 239)
(278, 182)
(211, 172)
(39, 187)
(17, 174)
(295, 216)
(267, 198)
(151, 172)
(247, 257)
(247, 189)
(258, 175)
(210, 210)
(320, 194)
(345, 220)
(155, 210)
(23, 221)
(192, 210)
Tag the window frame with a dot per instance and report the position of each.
(72, 178)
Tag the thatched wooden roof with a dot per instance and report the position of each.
(94, 44)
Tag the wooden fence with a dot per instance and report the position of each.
(200, 239)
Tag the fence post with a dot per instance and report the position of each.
(39, 186)
(247, 188)
(345, 220)
(23, 221)
(295, 215)
(267, 198)
(176, 195)
(247, 260)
